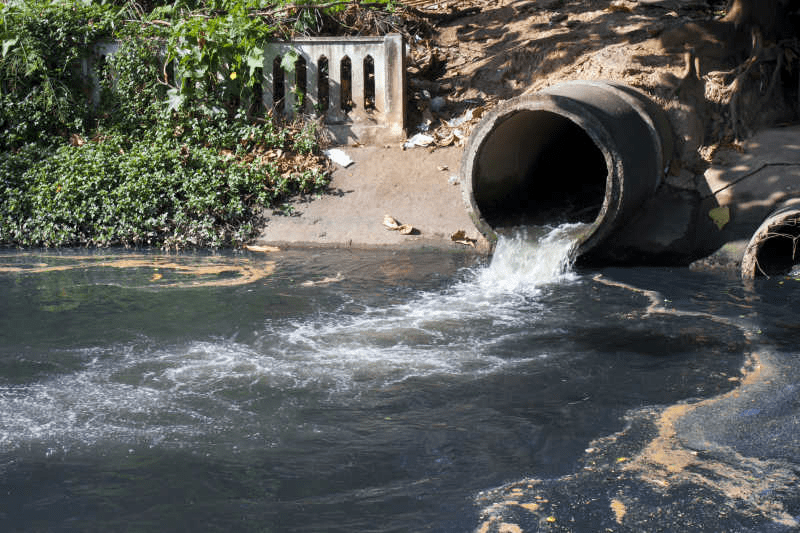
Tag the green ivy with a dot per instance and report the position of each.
(152, 192)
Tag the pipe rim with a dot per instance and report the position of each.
(785, 216)
(566, 108)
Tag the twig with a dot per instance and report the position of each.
(751, 173)
(152, 22)
(444, 18)
(289, 7)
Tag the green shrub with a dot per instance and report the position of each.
(160, 160)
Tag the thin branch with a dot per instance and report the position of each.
(317, 7)
(751, 173)
(151, 22)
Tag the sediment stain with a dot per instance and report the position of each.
(165, 271)
(619, 510)
(661, 482)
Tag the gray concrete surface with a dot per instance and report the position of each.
(750, 182)
(412, 186)
(416, 186)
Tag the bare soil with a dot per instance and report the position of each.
(717, 85)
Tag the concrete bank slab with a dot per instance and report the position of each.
(412, 186)
(753, 181)
(748, 184)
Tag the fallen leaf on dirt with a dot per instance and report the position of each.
(262, 249)
(460, 237)
(619, 510)
(392, 224)
(720, 215)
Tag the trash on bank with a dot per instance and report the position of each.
(420, 139)
(338, 156)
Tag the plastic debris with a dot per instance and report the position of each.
(468, 116)
(420, 139)
(339, 157)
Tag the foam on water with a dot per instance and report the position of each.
(172, 394)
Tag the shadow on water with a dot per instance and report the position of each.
(343, 391)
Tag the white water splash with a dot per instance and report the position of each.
(175, 393)
(527, 260)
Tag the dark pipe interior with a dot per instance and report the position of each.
(539, 167)
(780, 251)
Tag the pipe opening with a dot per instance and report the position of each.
(539, 167)
(778, 253)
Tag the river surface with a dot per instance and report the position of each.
(332, 390)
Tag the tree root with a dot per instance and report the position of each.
(730, 93)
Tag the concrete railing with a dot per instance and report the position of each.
(356, 83)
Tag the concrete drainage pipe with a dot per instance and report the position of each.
(583, 151)
(774, 249)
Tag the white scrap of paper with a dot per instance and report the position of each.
(339, 157)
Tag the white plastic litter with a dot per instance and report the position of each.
(338, 156)
(420, 139)
(458, 121)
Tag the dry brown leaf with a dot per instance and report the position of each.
(390, 222)
(460, 237)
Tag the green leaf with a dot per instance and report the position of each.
(720, 215)
(8, 43)
(289, 60)
(174, 100)
(255, 59)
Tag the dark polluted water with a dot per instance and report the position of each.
(346, 390)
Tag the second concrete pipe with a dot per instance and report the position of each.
(582, 151)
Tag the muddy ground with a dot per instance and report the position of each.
(480, 52)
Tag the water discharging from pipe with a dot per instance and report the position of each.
(589, 152)
(147, 390)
